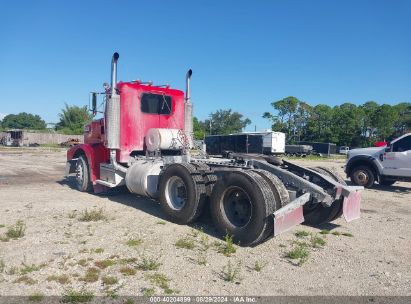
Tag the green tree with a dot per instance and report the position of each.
(347, 120)
(320, 124)
(23, 121)
(403, 123)
(73, 119)
(198, 129)
(225, 122)
(385, 118)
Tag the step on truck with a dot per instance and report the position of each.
(144, 141)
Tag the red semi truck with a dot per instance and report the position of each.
(145, 142)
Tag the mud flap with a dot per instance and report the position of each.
(290, 215)
(351, 206)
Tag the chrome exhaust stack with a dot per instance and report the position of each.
(113, 116)
(188, 111)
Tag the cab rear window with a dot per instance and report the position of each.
(156, 104)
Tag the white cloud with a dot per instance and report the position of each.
(2, 116)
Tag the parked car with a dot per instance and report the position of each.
(384, 165)
(344, 150)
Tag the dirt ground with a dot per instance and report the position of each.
(58, 248)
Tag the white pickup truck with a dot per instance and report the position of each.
(384, 165)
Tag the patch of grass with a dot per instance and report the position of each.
(91, 275)
(4, 238)
(99, 250)
(72, 296)
(29, 268)
(227, 248)
(204, 241)
(148, 292)
(2, 225)
(93, 215)
(127, 271)
(25, 280)
(16, 231)
(302, 233)
(126, 261)
(2, 266)
(160, 280)
(109, 280)
(317, 241)
(161, 223)
(148, 264)
(202, 258)
(231, 273)
(325, 231)
(336, 233)
(103, 264)
(82, 262)
(62, 279)
(300, 253)
(258, 266)
(347, 234)
(134, 242)
(36, 297)
(185, 243)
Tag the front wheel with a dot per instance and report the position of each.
(83, 181)
(362, 176)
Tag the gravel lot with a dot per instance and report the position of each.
(376, 260)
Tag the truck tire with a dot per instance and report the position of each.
(336, 210)
(386, 182)
(241, 205)
(362, 176)
(83, 181)
(182, 193)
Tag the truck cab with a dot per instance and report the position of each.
(384, 165)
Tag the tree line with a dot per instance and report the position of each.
(346, 124)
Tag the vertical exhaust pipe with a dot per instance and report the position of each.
(114, 72)
(188, 111)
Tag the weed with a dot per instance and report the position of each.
(72, 214)
(301, 233)
(92, 215)
(204, 241)
(325, 231)
(231, 273)
(282, 246)
(99, 250)
(109, 280)
(2, 266)
(228, 247)
(25, 280)
(185, 243)
(347, 234)
(148, 264)
(83, 243)
(126, 261)
(161, 223)
(91, 275)
(83, 262)
(148, 292)
(16, 231)
(134, 242)
(4, 238)
(29, 268)
(2, 225)
(36, 297)
(103, 264)
(202, 258)
(336, 233)
(129, 301)
(127, 271)
(300, 253)
(160, 280)
(62, 279)
(258, 266)
(317, 241)
(72, 296)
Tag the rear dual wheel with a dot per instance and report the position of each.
(242, 204)
(316, 213)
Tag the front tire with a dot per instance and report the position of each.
(362, 176)
(83, 181)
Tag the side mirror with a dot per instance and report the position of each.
(94, 103)
(388, 148)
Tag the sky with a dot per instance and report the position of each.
(244, 54)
